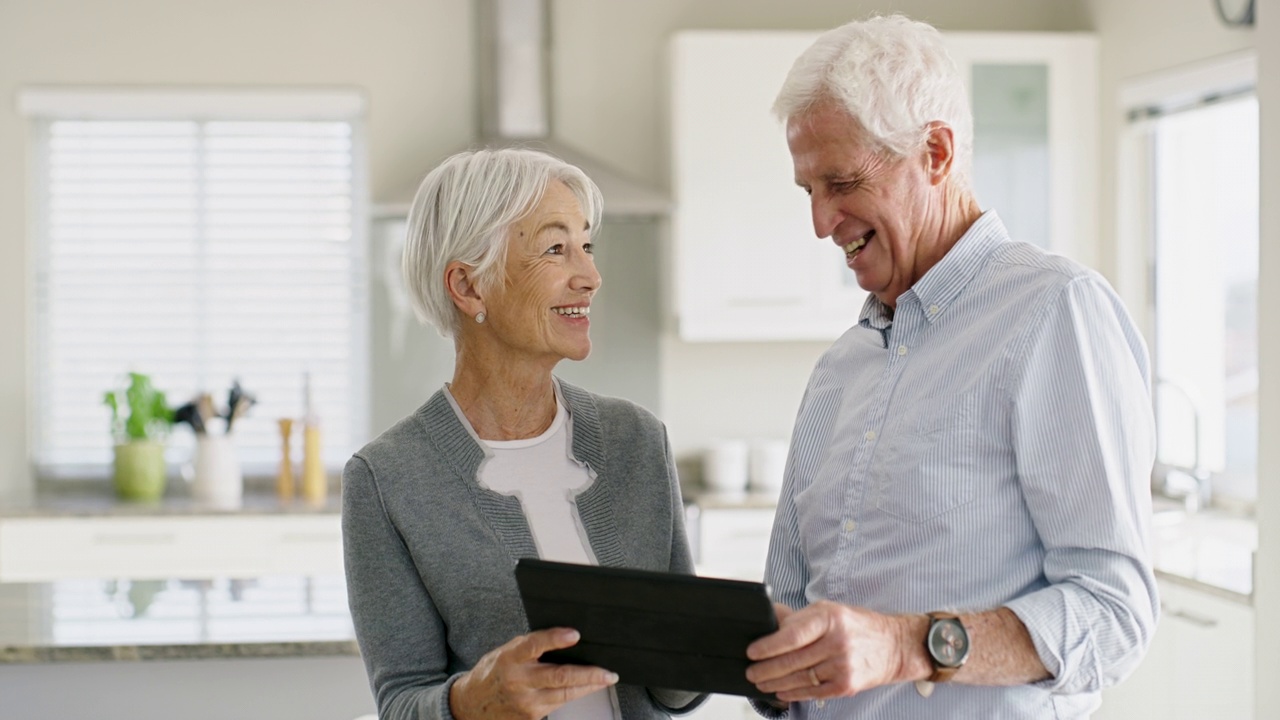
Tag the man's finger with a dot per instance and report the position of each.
(782, 611)
(767, 674)
(798, 630)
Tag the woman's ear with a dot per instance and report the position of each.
(459, 280)
(940, 151)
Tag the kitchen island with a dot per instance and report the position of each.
(267, 647)
(130, 611)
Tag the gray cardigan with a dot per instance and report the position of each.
(430, 553)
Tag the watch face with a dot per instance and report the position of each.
(948, 642)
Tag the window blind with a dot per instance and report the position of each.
(199, 252)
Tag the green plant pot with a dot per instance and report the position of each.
(140, 471)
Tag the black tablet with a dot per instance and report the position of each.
(656, 629)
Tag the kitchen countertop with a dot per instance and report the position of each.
(122, 620)
(75, 499)
(1211, 550)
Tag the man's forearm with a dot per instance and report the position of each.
(1002, 652)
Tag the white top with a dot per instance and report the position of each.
(541, 472)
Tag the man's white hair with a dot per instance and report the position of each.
(464, 210)
(894, 76)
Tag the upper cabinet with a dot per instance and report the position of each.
(747, 264)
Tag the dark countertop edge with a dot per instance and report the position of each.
(71, 499)
(199, 651)
(1208, 588)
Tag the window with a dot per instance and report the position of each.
(1206, 291)
(1198, 163)
(200, 239)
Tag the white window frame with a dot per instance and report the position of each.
(1151, 96)
(42, 105)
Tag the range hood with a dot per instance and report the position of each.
(513, 64)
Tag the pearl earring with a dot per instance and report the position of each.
(480, 317)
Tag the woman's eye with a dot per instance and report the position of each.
(557, 249)
(589, 248)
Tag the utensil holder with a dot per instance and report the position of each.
(218, 479)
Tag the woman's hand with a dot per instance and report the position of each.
(509, 682)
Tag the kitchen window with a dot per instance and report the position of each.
(199, 238)
(1194, 172)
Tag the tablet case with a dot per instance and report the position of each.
(656, 629)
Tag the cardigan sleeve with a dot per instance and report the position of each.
(401, 635)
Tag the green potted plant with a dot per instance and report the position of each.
(139, 438)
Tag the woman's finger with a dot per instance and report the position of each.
(553, 677)
(528, 648)
(552, 698)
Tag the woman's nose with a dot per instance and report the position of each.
(586, 276)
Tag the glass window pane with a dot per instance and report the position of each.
(1011, 146)
(1206, 288)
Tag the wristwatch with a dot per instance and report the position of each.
(947, 643)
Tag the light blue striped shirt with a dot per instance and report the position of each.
(989, 445)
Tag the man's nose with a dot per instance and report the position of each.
(826, 216)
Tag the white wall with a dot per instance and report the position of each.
(1267, 561)
(414, 59)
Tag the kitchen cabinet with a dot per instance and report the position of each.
(731, 543)
(45, 549)
(747, 265)
(1200, 664)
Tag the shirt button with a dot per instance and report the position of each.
(902, 349)
(849, 525)
(871, 434)
(933, 309)
(821, 703)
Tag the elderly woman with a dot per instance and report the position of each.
(506, 461)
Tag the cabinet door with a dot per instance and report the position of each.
(51, 549)
(733, 543)
(1035, 103)
(1200, 664)
(747, 263)
(748, 266)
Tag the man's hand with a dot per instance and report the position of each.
(510, 683)
(829, 650)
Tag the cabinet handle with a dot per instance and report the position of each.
(133, 539)
(1196, 619)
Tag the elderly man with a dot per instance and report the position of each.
(963, 528)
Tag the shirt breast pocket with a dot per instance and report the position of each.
(930, 470)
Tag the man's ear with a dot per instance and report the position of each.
(459, 280)
(940, 151)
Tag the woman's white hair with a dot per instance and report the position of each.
(893, 76)
(464, 210)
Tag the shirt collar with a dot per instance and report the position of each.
(942, 284)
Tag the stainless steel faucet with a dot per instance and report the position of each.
(1190, 484)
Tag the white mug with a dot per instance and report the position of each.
(724, 468)
(218, 479)
(768, 464)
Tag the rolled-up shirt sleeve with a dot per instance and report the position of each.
(1084, 437)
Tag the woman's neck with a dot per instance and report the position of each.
(504, 401)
